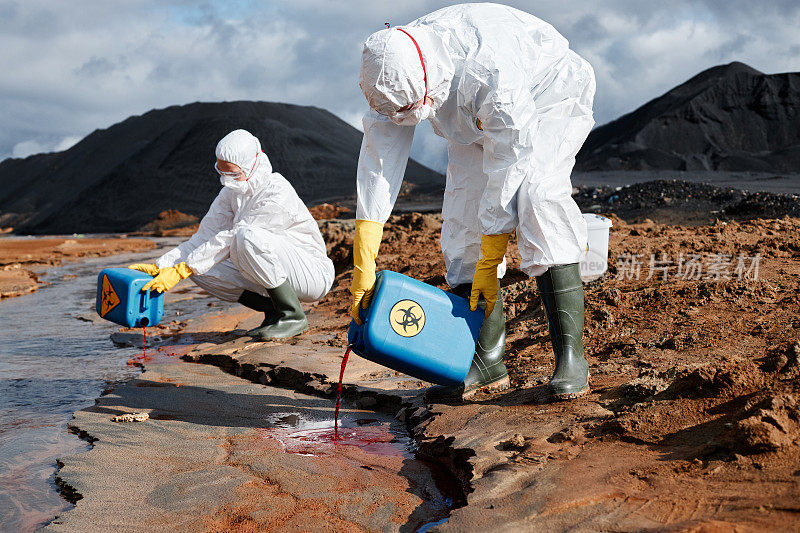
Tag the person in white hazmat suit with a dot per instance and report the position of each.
(515, 105)
(257, 245)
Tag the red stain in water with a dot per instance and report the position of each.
(377, 440)
(171, 350)
(374, 440)
(339, 396)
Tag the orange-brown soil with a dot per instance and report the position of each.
(327, 211)
(19, 255)
(693, 420)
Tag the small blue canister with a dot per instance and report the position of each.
(417, 329)
(120, 298)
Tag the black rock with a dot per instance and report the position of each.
(683, 202)
(120, 178)
(730, 117)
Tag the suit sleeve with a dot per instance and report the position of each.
(381, 166)
(209, 245)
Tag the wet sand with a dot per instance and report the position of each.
(21, 258)
(16, 282)
(220, 453)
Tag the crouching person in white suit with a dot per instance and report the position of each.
(257, 245)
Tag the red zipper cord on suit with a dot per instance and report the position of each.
(254, 168)
(422, 60)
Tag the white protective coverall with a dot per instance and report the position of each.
(258, 238)
(515, 104)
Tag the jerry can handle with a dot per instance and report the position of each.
(356, 341)
(145, 301)
(355, 337)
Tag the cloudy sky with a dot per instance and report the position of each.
(70, 67)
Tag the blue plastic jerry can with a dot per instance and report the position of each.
(417, 329)
(120, 298)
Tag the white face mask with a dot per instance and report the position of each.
(240, 186)
(228, 179)
(412, 117)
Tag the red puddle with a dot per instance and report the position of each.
(376, 440)
(139, 360)
(339, 395)
(161, 355)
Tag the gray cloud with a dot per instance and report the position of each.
(96, 66)
(66, 76)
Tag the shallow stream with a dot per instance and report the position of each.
(56, 358)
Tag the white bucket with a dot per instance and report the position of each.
(594, 262)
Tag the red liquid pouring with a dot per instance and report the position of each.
(139, 360)
(339, 396)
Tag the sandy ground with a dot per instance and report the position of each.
(693, 422)
(21, 258)
(211, 457)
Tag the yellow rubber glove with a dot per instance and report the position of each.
(147, 268)
(168, 277)
(484, 282)
(365, 249)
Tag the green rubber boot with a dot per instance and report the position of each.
(487, 371)
(561, 290)
(261, 303)
(291, 320)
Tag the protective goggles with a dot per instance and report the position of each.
(237, 173)
(229, 174)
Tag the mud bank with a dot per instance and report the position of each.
(22, 258)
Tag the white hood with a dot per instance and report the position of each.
(391, 71)
(242, 148)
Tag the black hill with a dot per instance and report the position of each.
(727, 118)
(120, 178)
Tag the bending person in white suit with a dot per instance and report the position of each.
(515, 104)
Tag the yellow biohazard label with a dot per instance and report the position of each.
(108, 298)
(407, 318)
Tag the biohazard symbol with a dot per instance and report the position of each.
(108, 298)
(407, 318)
